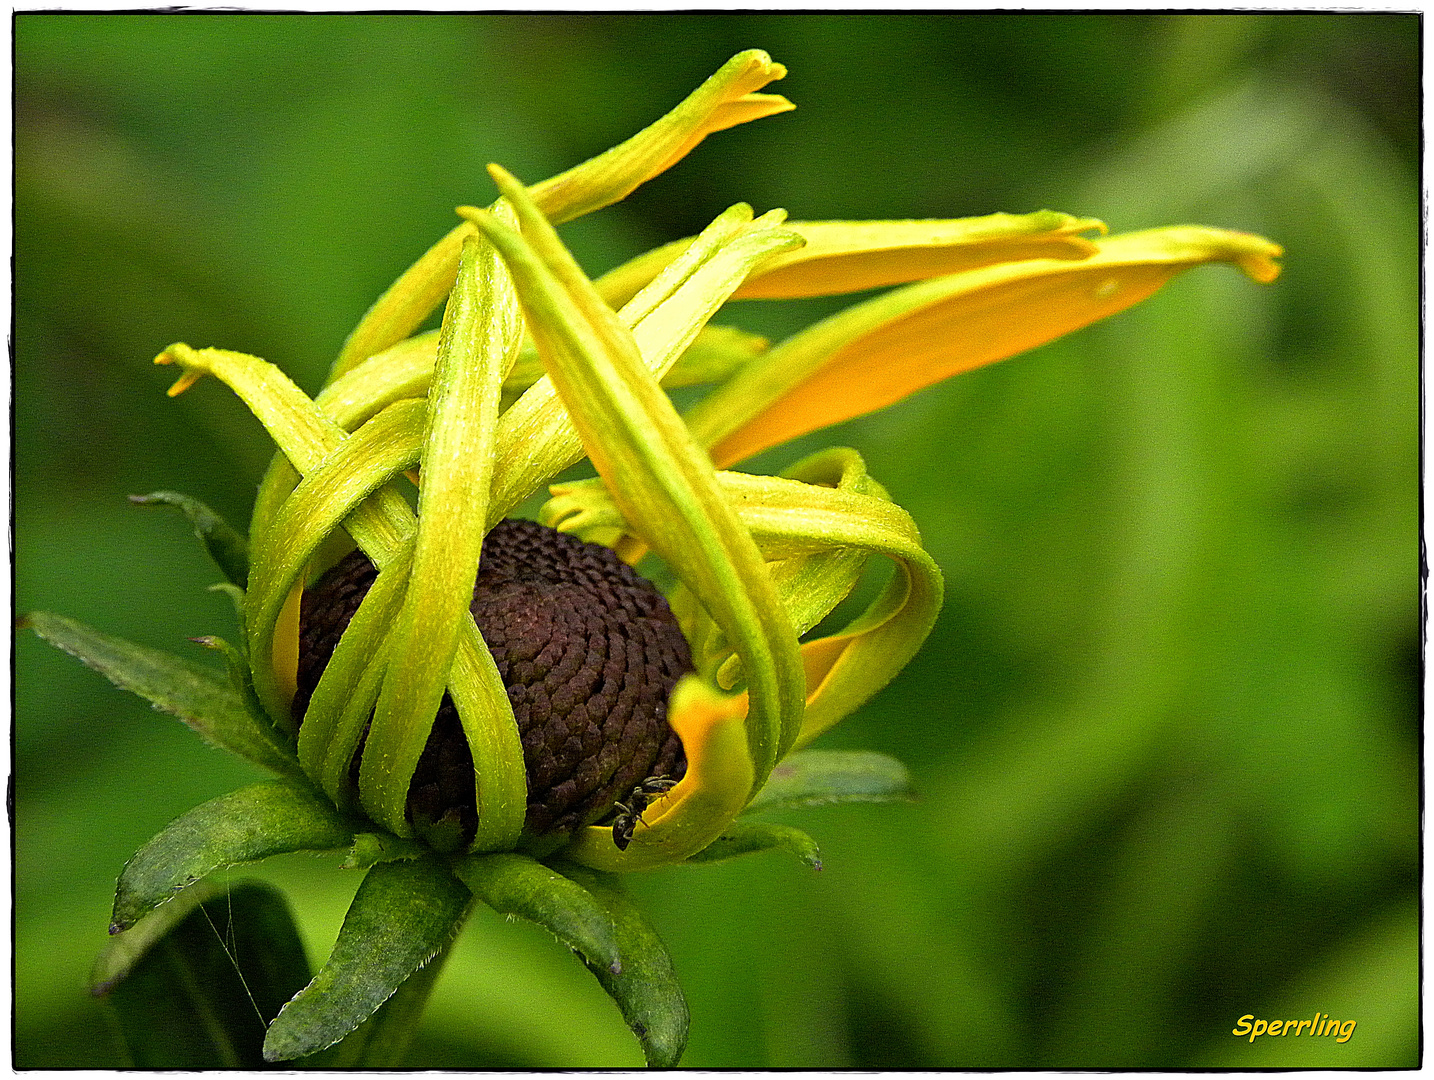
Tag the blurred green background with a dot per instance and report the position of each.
(1166, 731)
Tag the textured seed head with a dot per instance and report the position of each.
(589, 652)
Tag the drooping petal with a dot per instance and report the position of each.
(848, 256)
(826, 503)
(383, 525)
(879, 351)
(482, 329)
(662, 482)
(537, 438)
(718, 782)
(726, 99)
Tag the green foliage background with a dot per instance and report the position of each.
(1167, 728)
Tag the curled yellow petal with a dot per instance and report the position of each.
(726, 99)
(877, 352)
(717, 784)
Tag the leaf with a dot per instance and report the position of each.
(194, 985)
(746, 837)
(403, 915)
(516, 885)
(228, 547)
(247, 825)
(198, 695)
(646, 989)
(819, 777)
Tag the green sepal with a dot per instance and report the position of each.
(200, 696)
(382, 1041)
(228, 547)
(271, 818)
(193, 986)
(240, 677)
(514, 884)
(820, 777)
(646, 990)
(746, 837)
(403, 915)
(371, 848)
(236, 597)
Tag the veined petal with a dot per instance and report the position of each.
(718, 782)
(326, 497)
(879, 351)
(848, 256)
(825, 504)
(726, 99)
(481, 333)
(660, 480)
(537, 437)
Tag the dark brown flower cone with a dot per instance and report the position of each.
(589, 652)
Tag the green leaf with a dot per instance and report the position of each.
(646, 989)
(818, 777)
(228, 547)
(746, 837)
(198, 695)
(382, 1041)
(404, 914)
(194, 986)
(516, 885)
(247, 825)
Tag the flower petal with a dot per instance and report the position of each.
(848, 256)
(825, 503)
(726, 99)
(537, 437)
(661, 481)
(481, 333)
(879, 351)
(718, 782)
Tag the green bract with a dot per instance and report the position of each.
(534, 368)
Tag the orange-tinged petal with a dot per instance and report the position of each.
(718, 782)
(878, 352)
(849, 256)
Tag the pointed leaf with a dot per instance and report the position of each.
(198, 695)
(247, 825)
(819, 777)
(403, 915)
(646, 989)
(194, 986)
(514, 884)
(746, 837)
(227, 546)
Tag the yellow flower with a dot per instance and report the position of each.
(536, 367)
